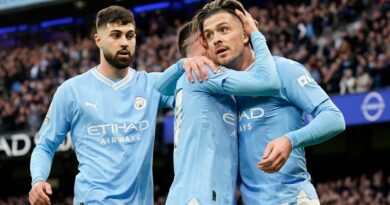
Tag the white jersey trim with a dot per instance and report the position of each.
(111, 83)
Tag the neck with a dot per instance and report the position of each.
(109, 71)
(247, 58)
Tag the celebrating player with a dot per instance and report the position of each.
(205, 138)
(271, 132)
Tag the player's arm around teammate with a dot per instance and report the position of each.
(261, 80)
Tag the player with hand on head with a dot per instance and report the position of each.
(205, 137)
(272, 136)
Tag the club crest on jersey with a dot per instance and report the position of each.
(139, 103)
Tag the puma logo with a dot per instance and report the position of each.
(94, 106)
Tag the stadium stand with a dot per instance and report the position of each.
(345, 45)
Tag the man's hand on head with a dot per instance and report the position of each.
(197, 65)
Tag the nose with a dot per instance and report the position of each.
(124, 42)
(217, 39)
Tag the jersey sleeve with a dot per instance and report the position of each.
(328, 121)
(261, 80)
(159, 82)
(166, 83)
(167, 101)
(52, 133)
(302, 91)
(299, 87)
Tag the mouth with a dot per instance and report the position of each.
(221, 50)
(123, 53)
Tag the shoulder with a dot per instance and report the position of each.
(290, 70)
(79, 79)
(152, 76)
(285, 65)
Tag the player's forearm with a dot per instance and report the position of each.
(166, 84)
(41, 160)
(262, 79)
(328, 121)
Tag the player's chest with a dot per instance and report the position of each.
(258, 109)
(112, 106)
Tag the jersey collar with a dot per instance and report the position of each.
(114, 84)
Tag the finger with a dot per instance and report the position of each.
(200, 65)
(189, 76)
(211, 64)
(241, 15)
(268, 150)
(271, 167)
(30, 198)
(188, 73)
(280, 164)
(202, 69)
(270, 160)
(48, 188)
(267, 169)
(256, 22)
(247, 14)
(275, 166)
(36, 198)
(195, 69)
(42, 195)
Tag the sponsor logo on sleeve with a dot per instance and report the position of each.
(305, 79)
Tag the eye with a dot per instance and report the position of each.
(208, 36)
(224, 29)
(130, 35)
(116, 35)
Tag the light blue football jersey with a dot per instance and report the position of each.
(112, 127)
(205, 134)
(263, 119)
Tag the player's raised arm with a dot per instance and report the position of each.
(193, 67)
(260, 80)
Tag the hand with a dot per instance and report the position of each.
(39, 193)
(197, 64)
(250, 25)
(275, 155)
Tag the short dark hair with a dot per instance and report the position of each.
(114, 15)
(214, 7)
(184, 33)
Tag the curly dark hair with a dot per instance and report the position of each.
(114, 15)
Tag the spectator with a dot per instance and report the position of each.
(363, 80)
(347, 83)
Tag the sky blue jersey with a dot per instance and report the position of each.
(112, 128)
(205, 136)
(263, 119)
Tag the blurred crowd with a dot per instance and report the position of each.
(362, 190)
(345, 45)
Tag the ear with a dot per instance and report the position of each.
(246, 38)
(98, 40)
(202, 41)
